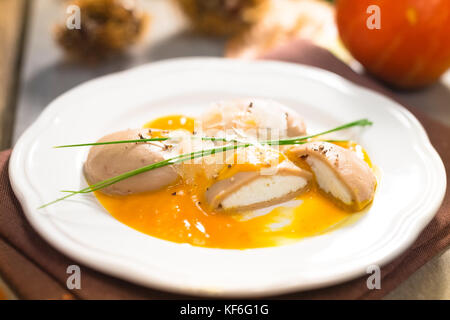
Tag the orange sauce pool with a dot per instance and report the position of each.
(173, 122)
(176, 213)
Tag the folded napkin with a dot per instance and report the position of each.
(35, 270)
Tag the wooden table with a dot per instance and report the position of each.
(44, 75)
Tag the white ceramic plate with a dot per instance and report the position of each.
(409, 193)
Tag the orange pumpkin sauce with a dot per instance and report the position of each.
(174, 122)
(177, 213)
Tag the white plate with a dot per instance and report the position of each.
(409, 193)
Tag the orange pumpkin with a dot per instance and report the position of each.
(411, 48)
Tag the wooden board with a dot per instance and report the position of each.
(12, 22)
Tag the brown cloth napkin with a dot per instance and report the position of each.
(35, 270)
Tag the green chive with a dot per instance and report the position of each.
(189, 156)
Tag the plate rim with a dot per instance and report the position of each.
(20, 190)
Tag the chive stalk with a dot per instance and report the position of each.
(189, 156)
